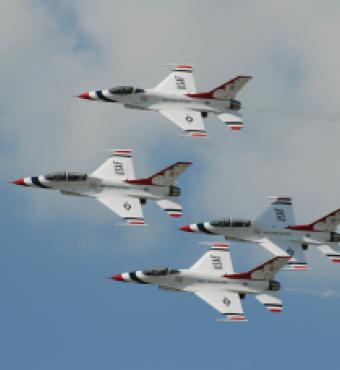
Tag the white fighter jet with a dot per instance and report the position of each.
(213, 279)
(176, 98)
(277, 231)
(114, 184)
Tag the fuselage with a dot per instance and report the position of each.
(191, 281)
(82, 184)
(151, 99)
(247, 231)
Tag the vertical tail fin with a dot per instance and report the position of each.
(327, 223)
(168, 176)
(229, 89)
(266, 271)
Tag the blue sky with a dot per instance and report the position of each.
(58, 310)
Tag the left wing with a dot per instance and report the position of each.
(227, 303)
(280, 214)
(180, 80)
(279, 247)
(189, 121)
(118, 167)
(128, 208)
(216, 259)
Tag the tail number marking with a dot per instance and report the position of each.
(180, 83)
(280, 214)
(119, 169)
(216, 262)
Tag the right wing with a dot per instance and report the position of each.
(279, 247)
(279, 215)
(130, 209)
(227, 303)
(119, 166)
(188, 120)
(180, 80)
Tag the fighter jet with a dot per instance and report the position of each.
(114, 184)
(176, 98)
(213, 279)
(277, 231)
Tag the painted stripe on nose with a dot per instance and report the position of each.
(134, 277)
(201, 227)
(35, 181)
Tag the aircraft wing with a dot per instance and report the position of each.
(130, 209)
(216, 259)
(188, 120)
(279, 247)
(119, 166)
(280, 214)
(227, 303)
(180, 80)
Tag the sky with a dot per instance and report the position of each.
(58, 310)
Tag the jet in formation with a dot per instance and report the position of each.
(114, 184)
(176, 98)
(277, 231)
(212, 278)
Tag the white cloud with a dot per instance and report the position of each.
(61, 50)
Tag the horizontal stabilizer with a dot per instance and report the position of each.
(171, 208)
(333, 253)
(272, 304)
(232, 120)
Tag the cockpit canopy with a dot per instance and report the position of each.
(229, 222)
(125, 90)
(160, 271)
(66, 176)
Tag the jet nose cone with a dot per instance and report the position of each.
(19, 182)
(186, 228)
(118, 277)
(85, 95)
